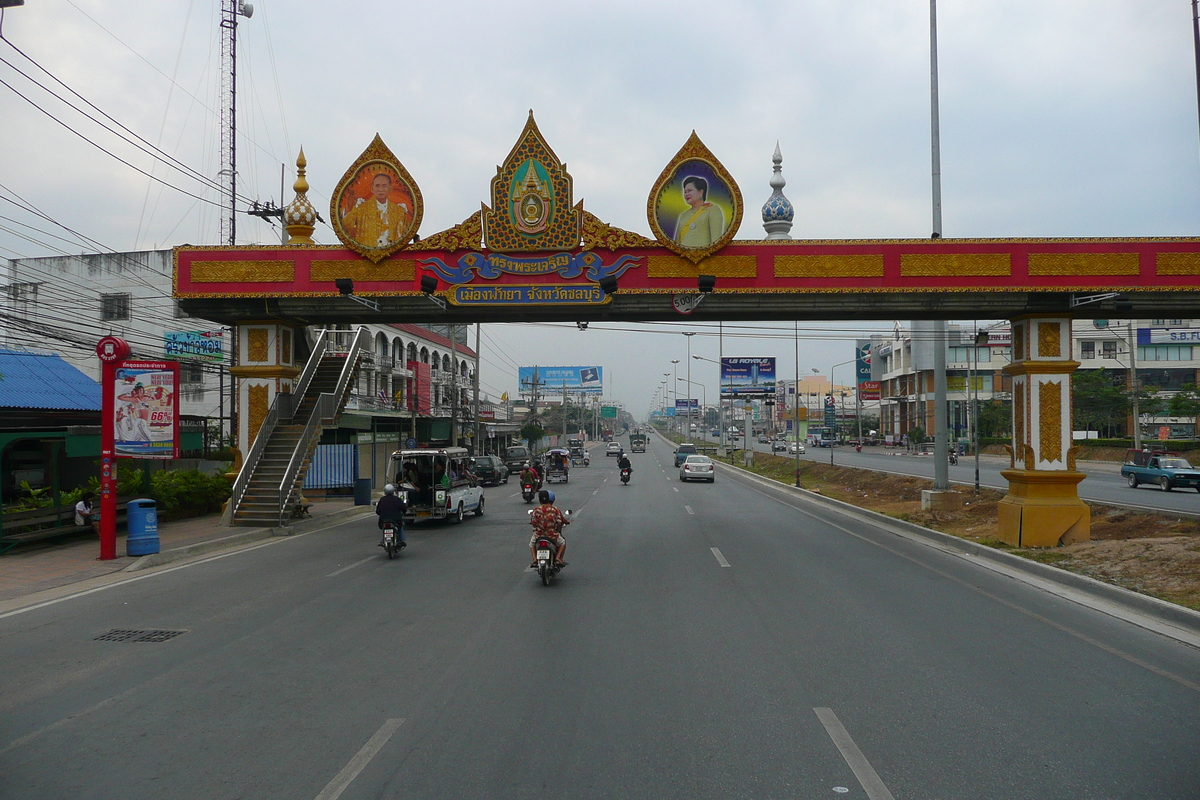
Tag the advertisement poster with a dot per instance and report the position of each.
(869, 391)
(194, 345)
(547, 380)
(747, 377)
(862, 359)
(686, 407)
(146, 395)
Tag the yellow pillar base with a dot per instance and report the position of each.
(1043, 509)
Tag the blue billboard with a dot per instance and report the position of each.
(747, 377)
(548, 380)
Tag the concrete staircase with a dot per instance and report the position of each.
(263, 503)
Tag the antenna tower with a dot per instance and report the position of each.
(227, 175)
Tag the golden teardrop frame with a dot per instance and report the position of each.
(693, 150)
(376, 153)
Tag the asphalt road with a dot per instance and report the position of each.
(706, 641)
(1103, 483)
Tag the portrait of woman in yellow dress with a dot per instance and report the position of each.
(695, 207)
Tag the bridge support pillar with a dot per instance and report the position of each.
(266, 366)
(1042, 507)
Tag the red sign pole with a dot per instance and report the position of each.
(112, 351)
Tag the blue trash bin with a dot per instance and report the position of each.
(143, 527)
(362, 491)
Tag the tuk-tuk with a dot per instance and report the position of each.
(558, 463)
(580, 457)
(436, 483)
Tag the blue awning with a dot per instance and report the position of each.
(44, 381)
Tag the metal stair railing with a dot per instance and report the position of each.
(271, 420)
(328, 406)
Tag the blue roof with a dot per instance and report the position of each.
(44, 380)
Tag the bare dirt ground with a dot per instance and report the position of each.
(1155, 554)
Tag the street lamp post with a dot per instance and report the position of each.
(704, 402)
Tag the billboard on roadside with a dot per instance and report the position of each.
(146, 409)
(747, 377)
(686, 407)
(547, 380)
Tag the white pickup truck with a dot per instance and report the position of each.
(436, 483)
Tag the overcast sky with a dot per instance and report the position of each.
(1064, 118)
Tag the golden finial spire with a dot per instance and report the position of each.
(300, 217)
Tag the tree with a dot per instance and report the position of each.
(1185, 403)
(916, 434)
(532, 433)
(1100, 401)
(995, 418)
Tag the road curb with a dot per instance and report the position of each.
(242, 538)
(1160, 610)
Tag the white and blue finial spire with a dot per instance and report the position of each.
(777, 212)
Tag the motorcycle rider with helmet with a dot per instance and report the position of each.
(529, 477)
(623, 463)
(548, 522)
(391, 507)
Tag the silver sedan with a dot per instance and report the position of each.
(697, 468)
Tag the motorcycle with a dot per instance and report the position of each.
(953, 459)
(547, 555)
(528, 490)
(625, 473)
(858, 448)
(390, 540)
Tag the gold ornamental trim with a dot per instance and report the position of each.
(1018, 340)
(256, 344)
(273, 271)
(702, 160)
(391, 269)
(1049, 340)
(1056, 264)
(466, 235)
(1050, 421)
(599, 235)
(532, 199)
(829, 266)
(717, 266)
(257, 402)
(955, 265)
(1177, 264)
(1040, 368)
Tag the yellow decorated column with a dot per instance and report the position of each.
(266, 366)
(1042, 507)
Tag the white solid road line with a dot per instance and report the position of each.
(720, 558)
(361, 759)
(859, 765)
(335, 573)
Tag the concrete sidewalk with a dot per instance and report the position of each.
(39, 567)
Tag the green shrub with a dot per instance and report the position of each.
(188, 492)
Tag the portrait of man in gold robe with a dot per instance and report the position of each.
(377, 221)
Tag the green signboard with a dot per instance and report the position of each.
(608, 412)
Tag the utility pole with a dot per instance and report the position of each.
(477, 441)
(454, 386)
(941, 450)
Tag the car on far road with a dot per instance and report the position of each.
(796, 447)
(697, 468)
(764, 439)
(683, 451)
(613, 449)
(490, 470)
(779, 446)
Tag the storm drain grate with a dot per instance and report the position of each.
(123, 635)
